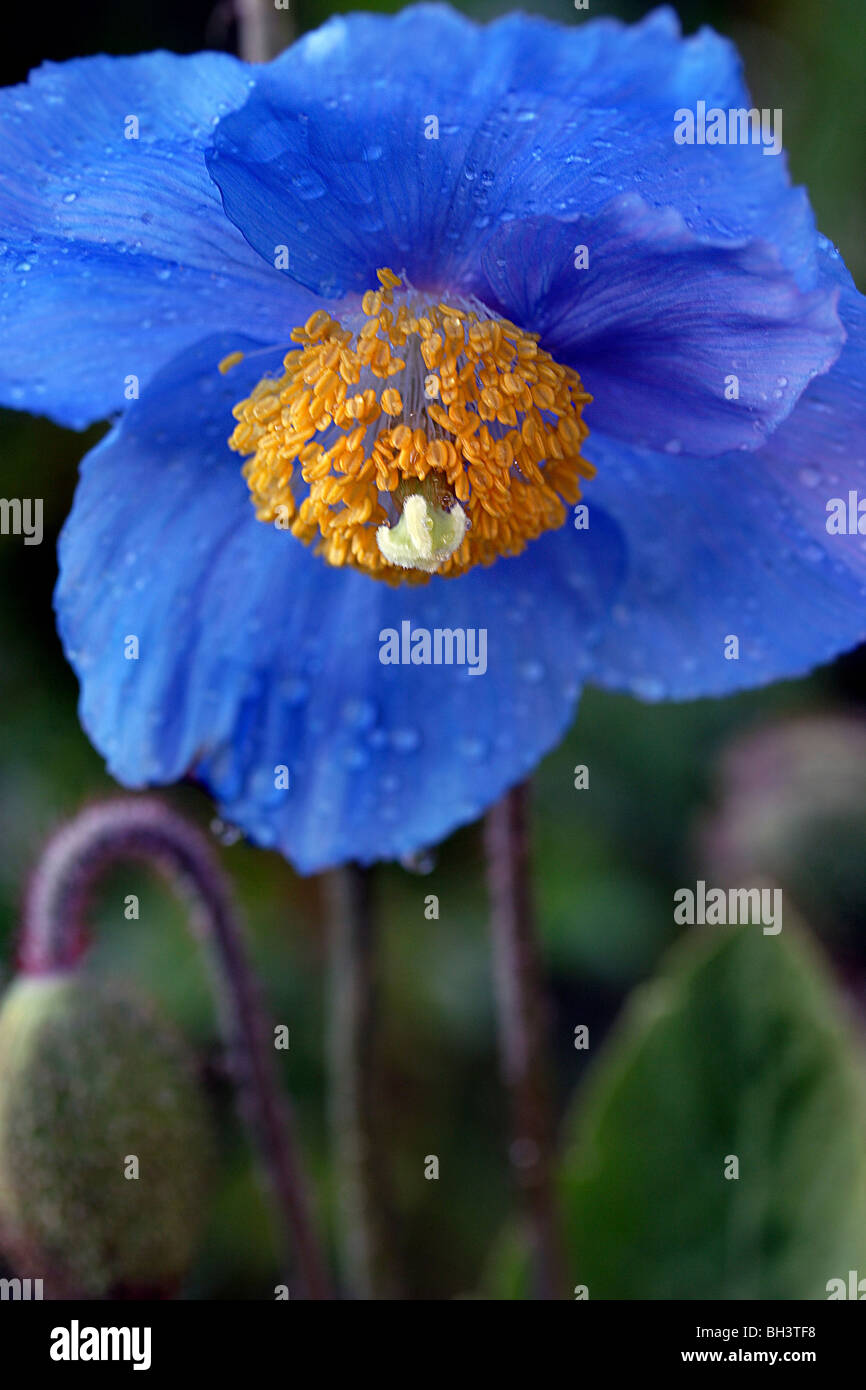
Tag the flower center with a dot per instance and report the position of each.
(414, 437)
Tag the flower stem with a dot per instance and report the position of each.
(54, 938)
(523, 1022)
(258, 30)
(364, 1225)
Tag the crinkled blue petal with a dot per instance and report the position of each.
(407, 140)
(254, 655)
(115, 253)
(663, 325)
(739, 546)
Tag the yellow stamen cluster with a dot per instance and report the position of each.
(467, 408)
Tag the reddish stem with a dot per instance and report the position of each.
(523, 1023)
(55, 937)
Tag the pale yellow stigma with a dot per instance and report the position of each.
(424, 537)
(460, 443)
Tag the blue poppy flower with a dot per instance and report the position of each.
(506, 368)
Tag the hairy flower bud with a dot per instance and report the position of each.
(103, 1140)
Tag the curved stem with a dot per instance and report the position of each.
(54, 938)
(523, 1023)
(364, 1228)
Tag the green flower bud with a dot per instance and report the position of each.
(103, 1140)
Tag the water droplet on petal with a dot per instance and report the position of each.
(308, 185)
(405, 740)
(356, 758)
(472, 748)
(359, 714)
(649, 688)
(531, 671)
(813, 554)
(294, 691)
(422, 861)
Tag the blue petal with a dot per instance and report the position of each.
(115, 253)
(659, 319)
(739, 546)
(252, 653)
(533, 119)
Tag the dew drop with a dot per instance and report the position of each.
(422, 861)
(359, 714)
(649, 688)
(475, 749)
(532, 671)
(308, 185)
(813, 554)
(356, 758)
(405, 740)
(294, 691)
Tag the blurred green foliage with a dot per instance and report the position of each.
(717, 1152)
(607, 858)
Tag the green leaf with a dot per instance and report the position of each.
(741, 1048)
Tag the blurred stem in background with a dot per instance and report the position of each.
(523, 1022)
(260, 33)
(54, 938)
(365, 1230)
(363, 1224)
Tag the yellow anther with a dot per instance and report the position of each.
(372, 303)
(437, 472)
(231, 361)
(317, 325)
(392, 401)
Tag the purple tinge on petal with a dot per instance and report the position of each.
(688, 345)
(745, 546)
(355, 150)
